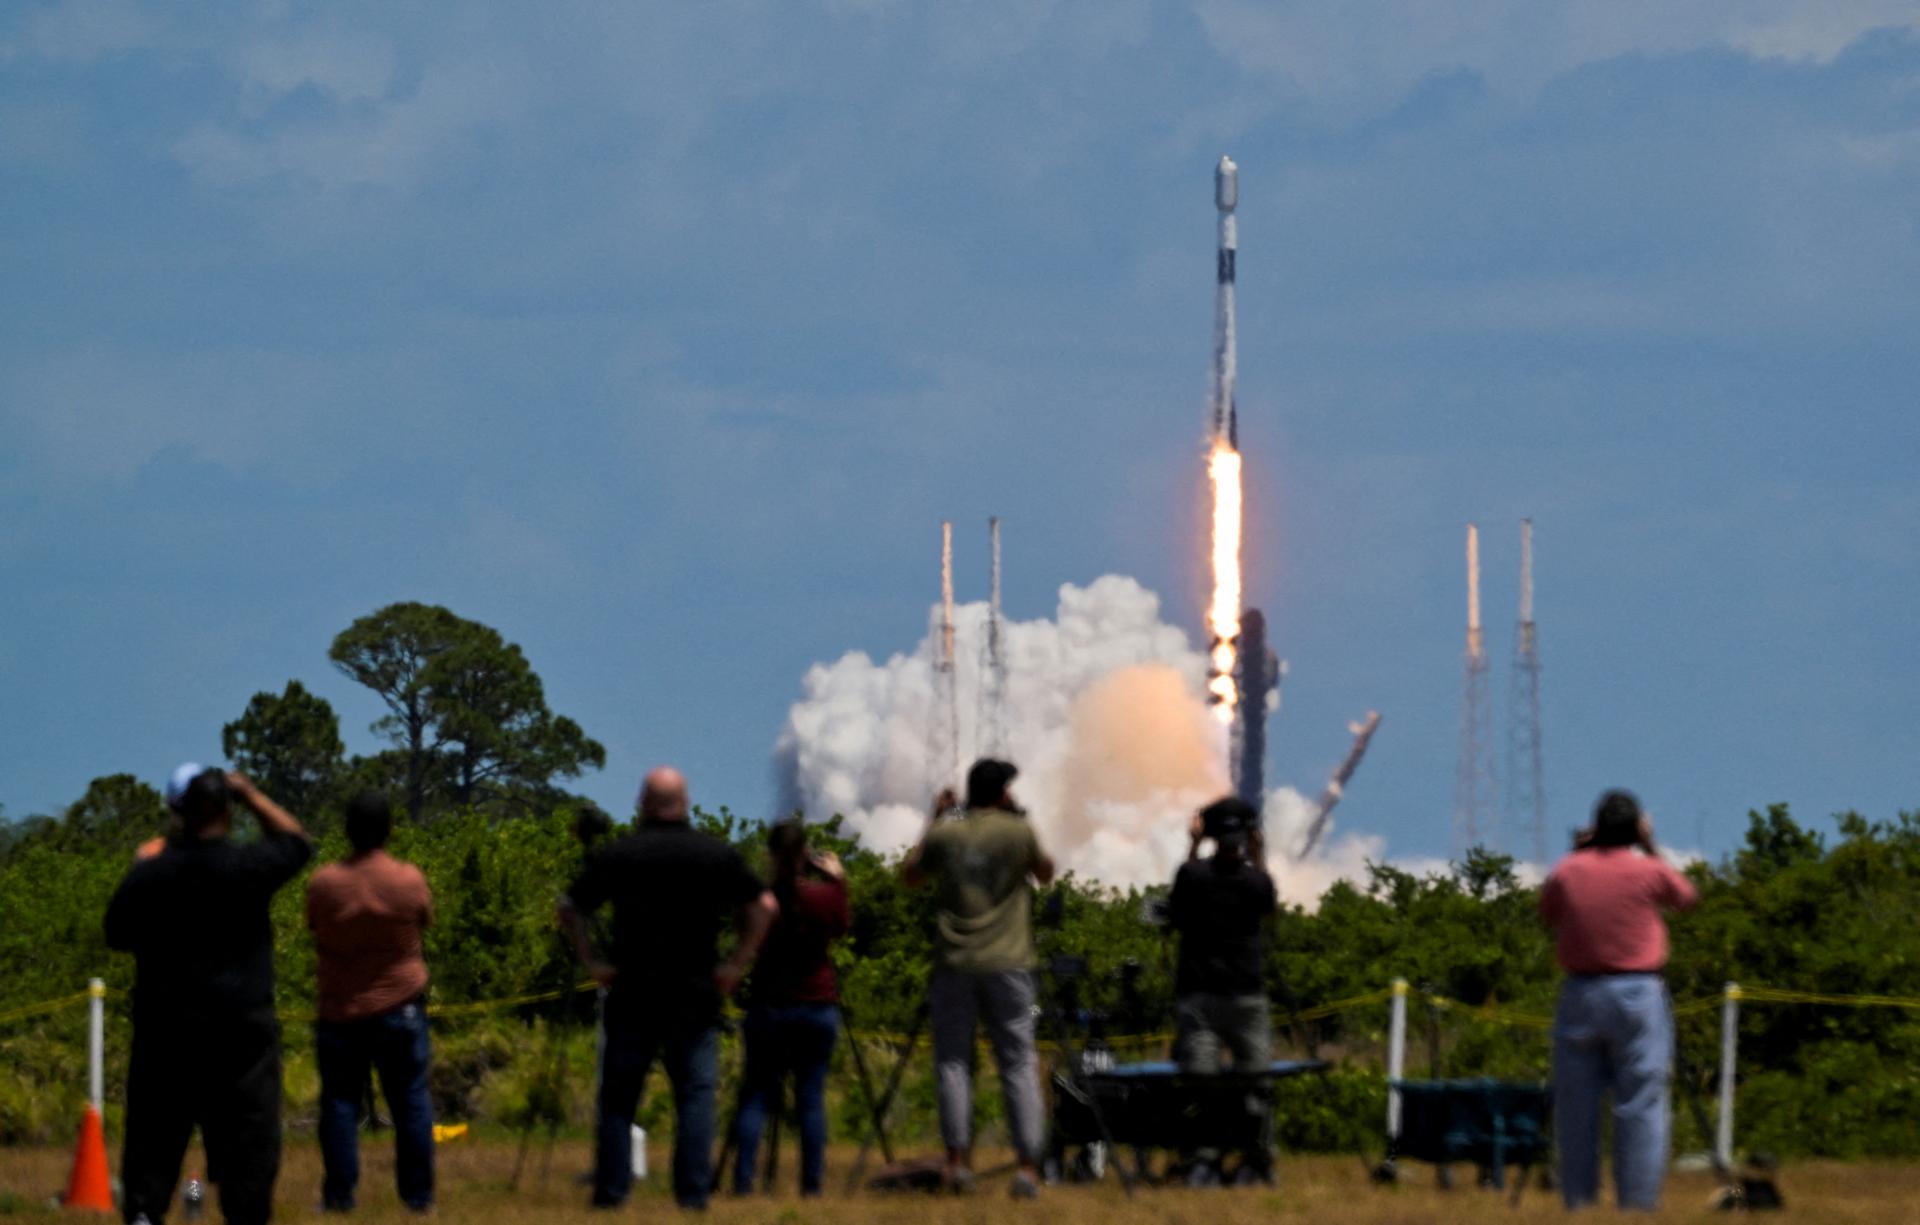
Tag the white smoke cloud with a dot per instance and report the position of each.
(1104, 713)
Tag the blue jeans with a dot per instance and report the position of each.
(396, 1045)
(691, 1055)
(791, 1040)
(1612, 1032)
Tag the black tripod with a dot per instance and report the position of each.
(1074, 1078)
(878, 1107)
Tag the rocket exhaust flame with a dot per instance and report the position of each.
(1223, 612)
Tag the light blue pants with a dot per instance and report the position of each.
(1612, 1032)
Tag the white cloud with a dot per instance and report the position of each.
(1105, 716)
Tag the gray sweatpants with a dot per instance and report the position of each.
(1241, 1024)
(1004, 1001)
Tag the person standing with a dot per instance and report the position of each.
(368, 914)
(206, 1043)
(980, 864)
(793, 1019)
(671, 887)
(1222, 907)
(1613, 1024)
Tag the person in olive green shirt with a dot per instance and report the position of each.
(979, 864)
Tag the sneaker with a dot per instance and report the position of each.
(1024, 1186)
(958, 1179)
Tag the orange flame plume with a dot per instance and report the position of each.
(1223, 613)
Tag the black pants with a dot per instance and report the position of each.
(222, 1077)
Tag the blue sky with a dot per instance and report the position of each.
(661, 337)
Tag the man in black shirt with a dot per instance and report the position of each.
(672, 888)
(206, 1044)
(1221, 906)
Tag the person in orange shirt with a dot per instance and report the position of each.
(368, 913)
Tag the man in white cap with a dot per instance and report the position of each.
(206, 1043)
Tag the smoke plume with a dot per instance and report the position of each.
(1105, 714)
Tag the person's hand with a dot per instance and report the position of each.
(602, 972)
(726, 978)
(1197, 828)
(944, 803)
(1582, 838)
(827, 864)
(1643, 836)
(240, 784)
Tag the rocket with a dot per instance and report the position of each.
(1226, 195)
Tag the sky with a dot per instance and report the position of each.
(662, 337)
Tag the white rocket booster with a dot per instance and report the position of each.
(1226, 195)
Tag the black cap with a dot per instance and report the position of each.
(987, 782)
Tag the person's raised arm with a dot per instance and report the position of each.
(1040, 864)
(752, 922)
(913, 867)
(274, 820)
(580, 936)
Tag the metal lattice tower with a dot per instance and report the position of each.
(1474, 789)
(993, 678)
(1526, 785)
(943, 720)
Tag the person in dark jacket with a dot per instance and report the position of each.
(206, 1043)
(793, 1012)
(1222, 906)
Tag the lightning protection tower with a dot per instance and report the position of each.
(1526, 786)
(993, 677)
(1474, 785)
(943, 720)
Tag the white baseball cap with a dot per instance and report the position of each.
(182, 778)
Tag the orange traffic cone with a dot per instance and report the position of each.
(87, 1187)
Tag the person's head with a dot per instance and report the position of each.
(1232, 823)
(204, 805)
(1616, 819)
(990, 783)
(787, 847)
(590, 825)
(369, 822)
(663, 797)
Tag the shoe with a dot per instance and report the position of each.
(958, 1179)
(1203, 1174)
(1024, 1186)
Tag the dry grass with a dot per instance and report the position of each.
(473, 1187)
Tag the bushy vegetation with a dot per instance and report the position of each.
(1786, 910)
(476, 752)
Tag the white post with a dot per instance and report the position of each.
(1396, 1057)
(1729, 1044)
(97, 1043)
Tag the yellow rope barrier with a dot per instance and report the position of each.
(1490, 1013)
(28, 1010)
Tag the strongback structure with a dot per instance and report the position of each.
(1259, 675)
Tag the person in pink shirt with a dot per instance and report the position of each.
(1613, 1025)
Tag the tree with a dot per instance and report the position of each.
(118, 810)
(289, 744)
(467, 712)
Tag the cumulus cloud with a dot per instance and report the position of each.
(1104, 713)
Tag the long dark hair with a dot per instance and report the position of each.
(787, 846)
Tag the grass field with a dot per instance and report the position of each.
(473, 1187)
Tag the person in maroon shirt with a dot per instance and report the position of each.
(1613, 1025)
(793, 1015)
(368, 913)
